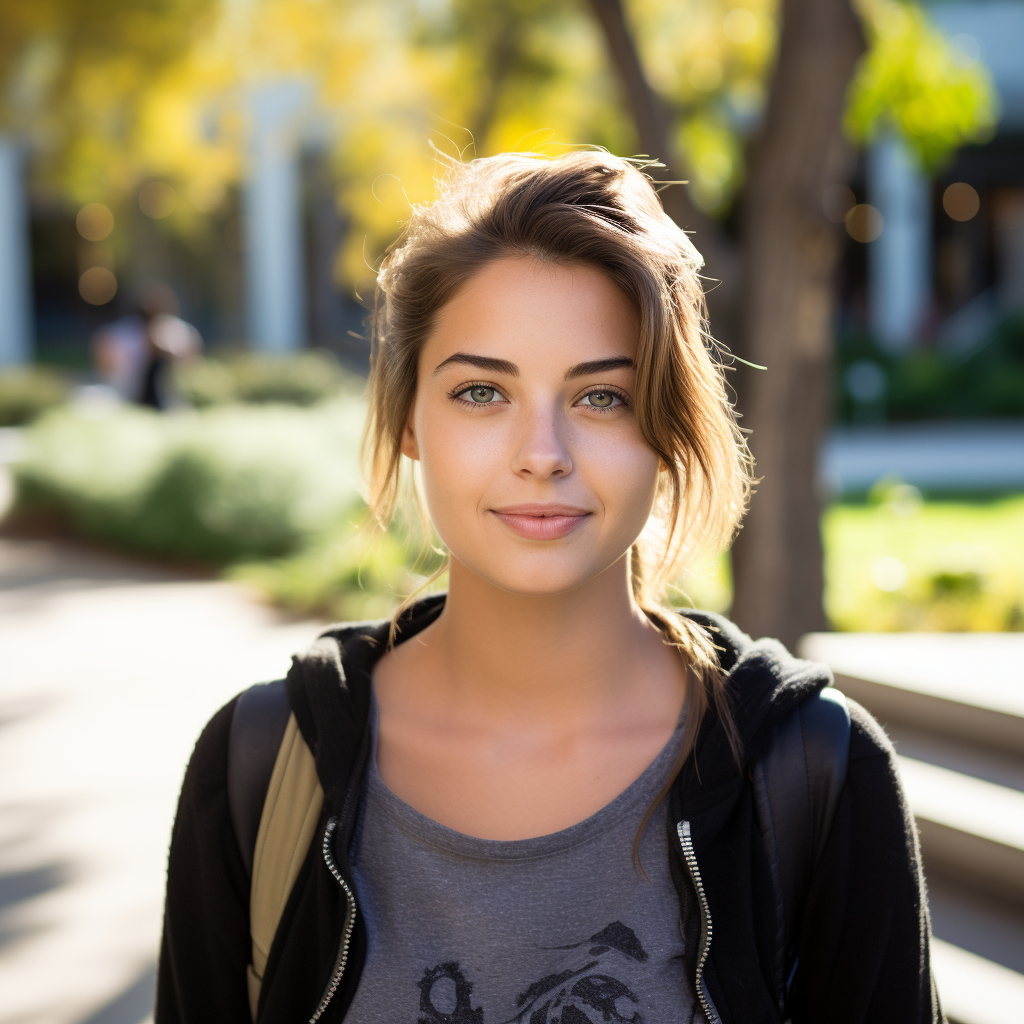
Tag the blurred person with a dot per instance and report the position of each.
(547, 796)
(169, 341)
(120, 353)
(135, 354)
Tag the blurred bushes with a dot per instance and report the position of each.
(266, 490)
(214, 486)
(26, 393)
(304, 379)
(346, 574)
(930, 384)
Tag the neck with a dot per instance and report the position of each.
(528, 655)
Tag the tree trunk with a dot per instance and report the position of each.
(789, 260)
(788, 254)
(653, 122)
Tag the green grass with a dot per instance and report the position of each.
(900, 563)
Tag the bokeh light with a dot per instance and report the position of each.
(889, 573)
(740, 25)
(965, 50)
(158, 200)
(864, 223)
(960, 201)
(94, 222)
(97, 286)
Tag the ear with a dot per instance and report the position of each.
(410, 448)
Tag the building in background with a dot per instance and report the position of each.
(948, 265)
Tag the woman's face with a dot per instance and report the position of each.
(535, 473)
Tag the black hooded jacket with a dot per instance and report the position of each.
(864, 935)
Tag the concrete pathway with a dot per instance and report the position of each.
(108, 671)
(955, 456)
(953, 704)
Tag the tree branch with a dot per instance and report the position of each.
(653, 122)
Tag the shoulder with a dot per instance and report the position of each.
(868, 740)
(874, 776)
(340, 663)
(764, 685)
(208, 765)
(329, 689)
(246, 729)
(204, 789)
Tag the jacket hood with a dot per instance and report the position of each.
(763, 684)
(329, 691)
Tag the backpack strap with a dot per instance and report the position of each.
(257, 728)
(283, 821)
(797, 785)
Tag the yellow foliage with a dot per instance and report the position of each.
(118, 91)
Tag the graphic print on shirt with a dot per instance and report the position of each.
(460, 991)
(583, 991)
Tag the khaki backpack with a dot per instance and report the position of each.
(288, 822)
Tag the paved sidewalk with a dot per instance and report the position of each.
(108, 670)
(960, 456)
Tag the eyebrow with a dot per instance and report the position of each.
(510, 368)
(598, 366)
(481, 362)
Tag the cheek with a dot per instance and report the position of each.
(456, 463)
(622, 471)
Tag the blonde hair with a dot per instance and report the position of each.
(586, 207)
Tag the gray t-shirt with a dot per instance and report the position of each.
(560, 929)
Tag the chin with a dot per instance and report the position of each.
(528, 577)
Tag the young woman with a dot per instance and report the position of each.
(537, 796)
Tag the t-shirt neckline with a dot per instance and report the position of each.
(425, 830)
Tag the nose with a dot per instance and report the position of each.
(542, 452)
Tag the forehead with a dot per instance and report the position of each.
(536, 314)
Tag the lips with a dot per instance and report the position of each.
(542, 522)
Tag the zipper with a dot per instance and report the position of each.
(686, 844)
(350, 923)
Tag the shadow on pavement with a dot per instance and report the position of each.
(15, 711)
(132, 1005)
(19, 885)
